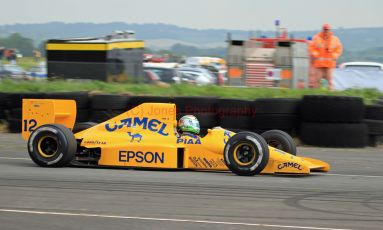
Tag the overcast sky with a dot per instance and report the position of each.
(200, 14)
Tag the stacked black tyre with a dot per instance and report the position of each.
(14, 103)
(204, 108)
(82, 102)
(276, 113)
(3, 106)
(235, 114)
(333, 121)
(106, 106)
(374, 120)
(138, 100)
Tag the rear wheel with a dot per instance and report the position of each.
(52, 145)
(78, 127)
(246, 154)
(280, 140)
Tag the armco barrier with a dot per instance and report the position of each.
(317, 120)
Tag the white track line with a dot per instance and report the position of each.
(163, 219)
(15, 158)
(346, 175)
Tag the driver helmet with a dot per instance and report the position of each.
(189, 123)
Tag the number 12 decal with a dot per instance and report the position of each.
(29, 125)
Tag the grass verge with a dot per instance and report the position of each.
(369, 95)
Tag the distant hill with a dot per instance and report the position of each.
(163, 36)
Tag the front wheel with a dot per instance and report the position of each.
(280, 140)
(246, 154)
(52, 145)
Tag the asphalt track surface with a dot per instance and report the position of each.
(349, 197)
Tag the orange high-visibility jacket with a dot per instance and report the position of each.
(325, 51)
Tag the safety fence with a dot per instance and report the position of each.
(329, 121)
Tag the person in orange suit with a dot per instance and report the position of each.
(325, 49)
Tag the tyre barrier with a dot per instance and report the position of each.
(82, 102)
(105, 106)
(235, 114)
(193, 105)
(330, 121)
(13, 112)
(3, 106)
(333, 121)
(352, 135)
(374, 120)
(332, 109)
(277, 113)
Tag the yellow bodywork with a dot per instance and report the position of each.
(38, 112)
(146, 136)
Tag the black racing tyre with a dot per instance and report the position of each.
(375, 127)
(277, 105)
(275, 121)
(246, 154)
(235, 107)
(353, 135)
(109, 101)
(52, 145)
(235, 122)
(138, 100)
(192, 105)
(337, 109)
(206, 120)
(374, 112)
(81, 98)
(99, 116)
(280, 140)
(78, 127)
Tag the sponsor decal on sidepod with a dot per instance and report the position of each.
(140, 157)
(153, 125)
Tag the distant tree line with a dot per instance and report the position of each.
(16, 41)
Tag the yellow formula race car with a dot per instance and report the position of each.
(146, 137)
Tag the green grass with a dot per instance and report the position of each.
(369, 95)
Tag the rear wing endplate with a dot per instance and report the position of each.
(38, 112)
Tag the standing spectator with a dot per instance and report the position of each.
(325, 49)
(37, 55)
(7, 54)
(11, 56)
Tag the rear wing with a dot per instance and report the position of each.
(38, 112)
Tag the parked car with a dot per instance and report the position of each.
(194, 78)
(14, 71)
(150, 77)
(363, 66)
(200, 76)
(4, 72)
(39, 72)
(219, 74)
(166, 71)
